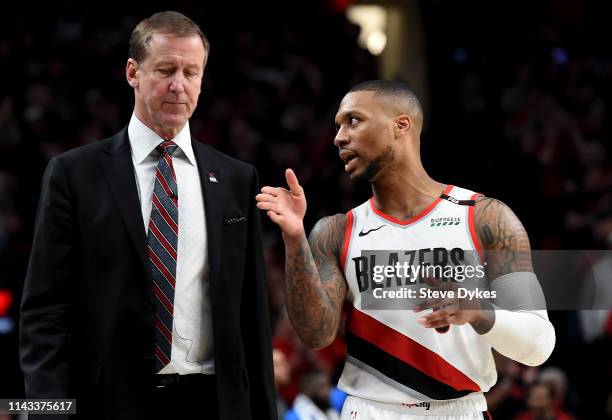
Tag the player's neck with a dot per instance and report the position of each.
(404, 192)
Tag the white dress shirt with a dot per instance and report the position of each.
(192, 345)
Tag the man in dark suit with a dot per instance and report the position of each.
(145, 294)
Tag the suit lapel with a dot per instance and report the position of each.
(211, 180)
(118, 168)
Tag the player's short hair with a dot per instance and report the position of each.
(169, 23)
(391, 89)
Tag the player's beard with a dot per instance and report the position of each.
(385, 158)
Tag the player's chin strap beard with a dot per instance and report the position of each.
(369, 173)
(382, 160)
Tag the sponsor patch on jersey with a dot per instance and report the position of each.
(444, 221)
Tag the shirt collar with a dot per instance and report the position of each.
(143, 141)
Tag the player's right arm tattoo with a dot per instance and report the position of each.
(315, 285)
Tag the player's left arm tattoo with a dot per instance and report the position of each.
(503, 237)
(506, 245)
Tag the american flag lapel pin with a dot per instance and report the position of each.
(212, 177)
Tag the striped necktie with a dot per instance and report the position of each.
(162, 239)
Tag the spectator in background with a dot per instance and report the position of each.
(557, 379)
(314, 400)
(541, 404)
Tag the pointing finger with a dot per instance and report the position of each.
(292, 182)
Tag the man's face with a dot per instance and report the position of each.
(539, 398)
(167, 82)
(365, 134)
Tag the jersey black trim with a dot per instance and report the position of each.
(458, 202)
(400, 371)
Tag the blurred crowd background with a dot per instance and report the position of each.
(517, 98)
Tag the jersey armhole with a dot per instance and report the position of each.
(348, 231)
(472, 224)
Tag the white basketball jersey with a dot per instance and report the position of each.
(390, 356)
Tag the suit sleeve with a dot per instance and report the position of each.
(45, 303)
(255, 319)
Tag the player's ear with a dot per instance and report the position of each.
(131, 72)
(402, 125)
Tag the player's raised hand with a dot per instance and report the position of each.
(285, 207)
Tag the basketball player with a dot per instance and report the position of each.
(434, 361)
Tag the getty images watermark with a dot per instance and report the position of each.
(404, 272)
(401, 279)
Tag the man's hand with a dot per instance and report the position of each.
(285, 207)
(458, 311)
(314, 281)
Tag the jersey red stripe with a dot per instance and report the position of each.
(347, 239)
(408, 351)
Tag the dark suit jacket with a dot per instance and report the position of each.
(86, 325)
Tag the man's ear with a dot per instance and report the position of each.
(131, 72)
(403, 123)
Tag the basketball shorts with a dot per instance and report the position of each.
(462, 409)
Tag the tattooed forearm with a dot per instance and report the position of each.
(315, 284)
(503, 237)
